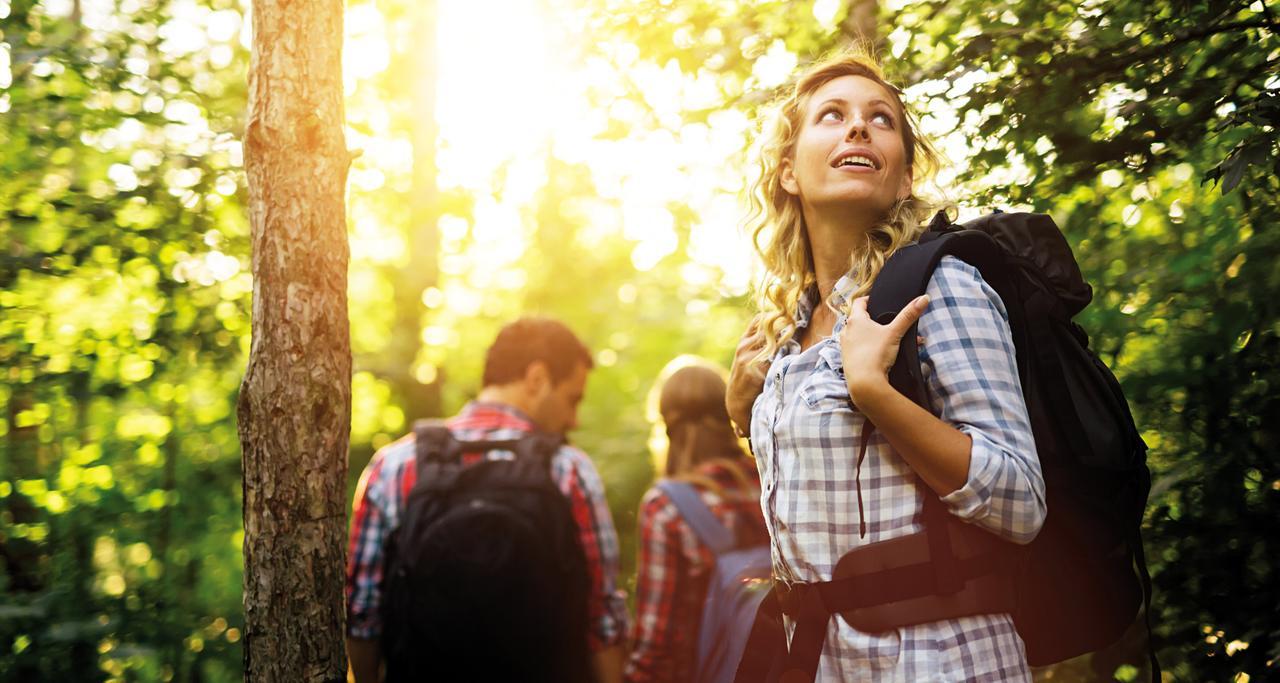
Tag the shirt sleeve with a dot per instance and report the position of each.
(657, 570)
(369, 529)
(970, 367)
(607, 608)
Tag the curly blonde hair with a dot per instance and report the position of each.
(777, 221)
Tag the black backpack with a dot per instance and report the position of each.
(485, 578)
(1084, 576)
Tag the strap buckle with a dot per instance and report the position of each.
(800, 600)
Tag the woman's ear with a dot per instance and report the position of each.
(787, 175)
(905, 190)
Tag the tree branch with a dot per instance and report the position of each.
(1142, 54)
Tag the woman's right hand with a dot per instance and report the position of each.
(746, 377)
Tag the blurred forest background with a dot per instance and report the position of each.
(587, 160)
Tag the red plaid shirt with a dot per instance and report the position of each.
(673, 569)
(384, 488)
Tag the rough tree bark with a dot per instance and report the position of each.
(295, 403)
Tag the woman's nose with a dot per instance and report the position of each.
(858, 129)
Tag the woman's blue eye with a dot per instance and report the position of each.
(830, 115)
(886, 119)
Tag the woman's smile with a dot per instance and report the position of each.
(857, 160)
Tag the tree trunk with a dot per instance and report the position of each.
(295, 403)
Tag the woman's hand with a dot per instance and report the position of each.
(746, 377)
(868, 348)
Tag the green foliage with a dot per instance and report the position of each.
(125, 310)
(1148, 129)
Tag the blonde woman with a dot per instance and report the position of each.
(845, 461)
(674, 565)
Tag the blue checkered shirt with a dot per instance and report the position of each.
(804, 433)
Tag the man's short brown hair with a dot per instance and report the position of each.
(531, 339)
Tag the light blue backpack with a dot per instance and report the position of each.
(741, 579)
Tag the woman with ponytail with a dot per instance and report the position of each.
(847, 462)
(673, 565)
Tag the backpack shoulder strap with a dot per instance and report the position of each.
(699, 517)
(433, 442)
(540, 445)
(906, 275)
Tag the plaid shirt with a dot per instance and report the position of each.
(805, 433)
(672, 572)
(384, 488)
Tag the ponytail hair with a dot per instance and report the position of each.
(690, 407)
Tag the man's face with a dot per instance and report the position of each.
(557, 410)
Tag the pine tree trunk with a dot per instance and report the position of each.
(295, 403)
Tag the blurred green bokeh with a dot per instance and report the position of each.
(587, 160)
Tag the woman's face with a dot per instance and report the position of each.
(849, 151)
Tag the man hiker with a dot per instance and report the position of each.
(534, 377)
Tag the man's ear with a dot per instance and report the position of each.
(787, 175)
(537, 379)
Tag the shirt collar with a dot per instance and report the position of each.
(500, 412)
(839, 298)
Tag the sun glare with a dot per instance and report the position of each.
(502, 90)
(511, 94)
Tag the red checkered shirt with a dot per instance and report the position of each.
(390, 475)
(673, 569)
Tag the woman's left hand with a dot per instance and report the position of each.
(868, 348)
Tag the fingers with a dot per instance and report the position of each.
(752, 339)
(912, 311)
(748, 348)
(748, 364)
(746, 372)
(909, 315)
(859, 307)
